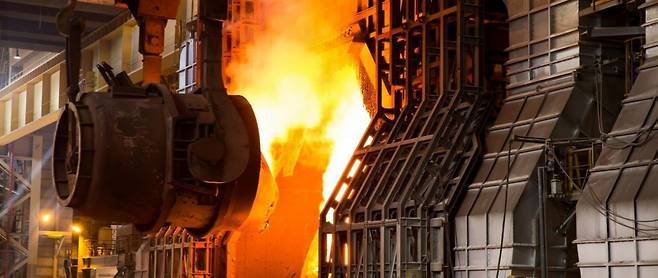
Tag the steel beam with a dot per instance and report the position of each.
(81, 6)
(18, 266)
(31, 25)
(35, 205)
(4, 166)
(16, 203)
(29, 128)
(616, 31)
(13, 242)
(35, 46)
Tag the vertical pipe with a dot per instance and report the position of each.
(382, 250)
(209, 45)
(168, 257)
(56, 249)
(35, 205)
(541, 183)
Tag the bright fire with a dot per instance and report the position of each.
(304, 89)
(301, 84)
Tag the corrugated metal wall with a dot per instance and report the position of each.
(617, 216)
(550, 95)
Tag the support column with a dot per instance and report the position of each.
(15, 111)
(45, 94)
(8, 104)
(87, 68)
(126, 48)
(22, 108)
(37, 98)
(29, 103)
(3, 106)
(62, 99)
(35, 205)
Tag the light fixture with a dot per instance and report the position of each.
(17, 56)
(75, 228)
(45, 218)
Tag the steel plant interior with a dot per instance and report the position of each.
(429, 193)
(509, 138)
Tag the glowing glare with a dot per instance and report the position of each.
(305, 90)
(311, 267)
(349, 196)
(303, 86)
(75, 228)
(354, 168)
(46, 217)
(341, 193)
(330, 215)
(346, 254)
(328, 241)
(368, 141)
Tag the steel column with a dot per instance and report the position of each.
(35, 205)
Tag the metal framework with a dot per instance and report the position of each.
(175, 253)
(617, 215)
(13, 231)
(243, 23)
(387, 216)
(505, 224)
(20, 190)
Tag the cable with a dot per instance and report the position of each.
(643, 134)
(596, 197)
(502, 232)
(601, 209)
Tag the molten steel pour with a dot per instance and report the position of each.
(304, 88)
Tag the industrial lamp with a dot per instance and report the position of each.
(45, 218)
(75, 228)
(17, 56)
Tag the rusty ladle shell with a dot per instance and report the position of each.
(126, 159)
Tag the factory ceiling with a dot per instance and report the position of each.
(31, 24)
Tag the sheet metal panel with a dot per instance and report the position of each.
(617, 231)
(617, 216)
(548, 96)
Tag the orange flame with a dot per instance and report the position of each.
(304, 87)
(295, 83)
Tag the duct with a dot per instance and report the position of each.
(550, 95)
(616, 232)
(613, 235)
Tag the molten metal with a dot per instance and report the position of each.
(304, 87)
